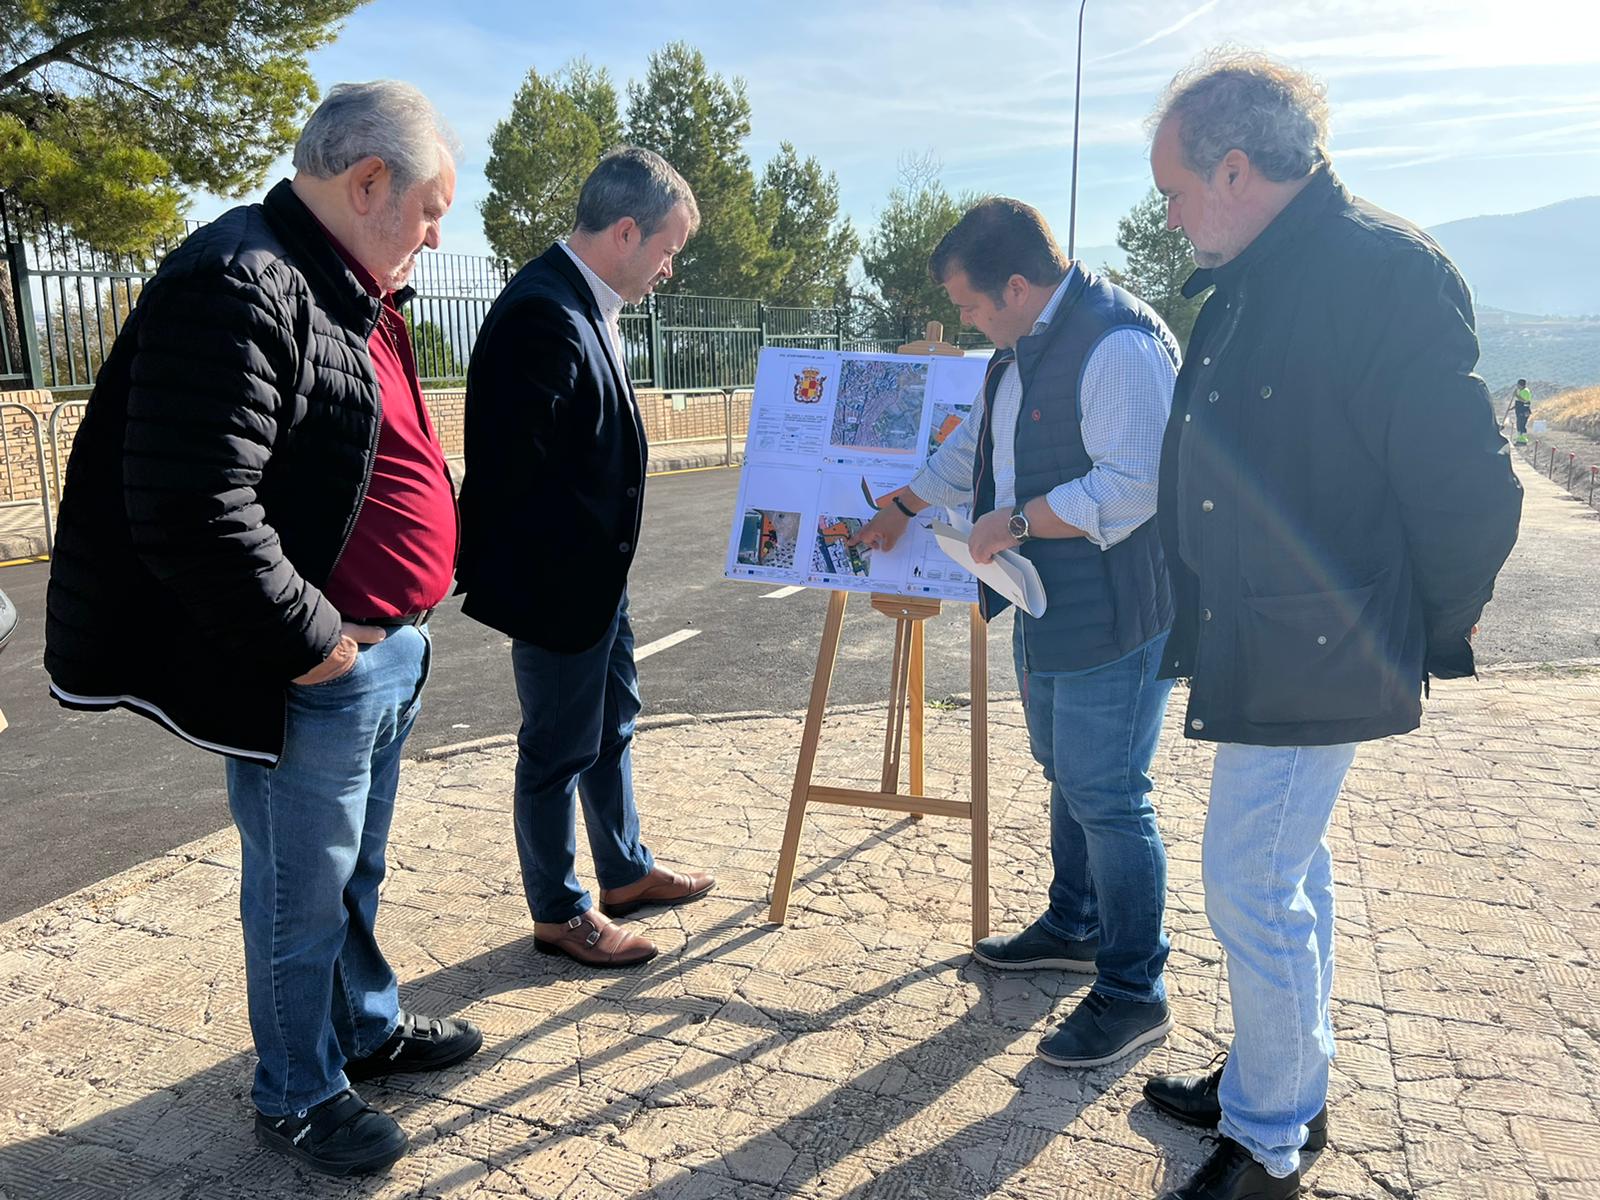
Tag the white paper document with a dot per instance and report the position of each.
(1009, 573)
(830, 432)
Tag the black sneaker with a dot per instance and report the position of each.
(1192, 1099)
(419, 1044)
(1102, 1029)
(341, 1136)
(1231, 1174)
(1035, 949)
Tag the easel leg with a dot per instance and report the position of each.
(826, 654)
(895, 728)
(980, 776)
(916, 702)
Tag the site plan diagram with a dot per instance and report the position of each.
(830, 434)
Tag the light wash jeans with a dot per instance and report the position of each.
(578, 715)
(313, 832)
(1094, 732)
(1269, 894)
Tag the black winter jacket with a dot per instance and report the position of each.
(1336, 498)
(214, 482)
(553, 498)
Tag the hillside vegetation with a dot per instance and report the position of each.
(1577, 410)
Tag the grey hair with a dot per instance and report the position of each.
(633, 182)
(1243, 100)
(386, 119)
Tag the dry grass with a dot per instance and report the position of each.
(1577, 410)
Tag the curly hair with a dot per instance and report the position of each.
(1243, 100)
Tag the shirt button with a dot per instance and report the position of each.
(1212, 397)
(1266, 393)
(1197, 724)
(1187, 418)
(1205, 614)
(1322, 641)
(1206, 506)
(1206, 361)
(625, 547)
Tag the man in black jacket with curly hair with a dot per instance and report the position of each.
(1335, 503)
(256, 523)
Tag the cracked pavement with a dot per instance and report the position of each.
(859, 1052)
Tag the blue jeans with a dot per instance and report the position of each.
(313, 832)
(1094, 732)
(1269, 895)
(578, 715)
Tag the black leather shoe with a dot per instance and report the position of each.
(419, 1044)
(1231, 1174)
(341, 1136)
(1192, 1099)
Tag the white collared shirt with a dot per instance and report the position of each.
(1124, 400)
(610, 303)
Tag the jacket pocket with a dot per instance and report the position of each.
(1309, 657)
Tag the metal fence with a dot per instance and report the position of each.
(62, 305)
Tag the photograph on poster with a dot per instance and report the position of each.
(842, 503)
(878, 409)
(946, 420)
(773, 520)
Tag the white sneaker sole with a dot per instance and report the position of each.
(1153, 1034)
(1037, 964)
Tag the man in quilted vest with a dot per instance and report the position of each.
(1058, 461)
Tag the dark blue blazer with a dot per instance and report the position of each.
(555, 446)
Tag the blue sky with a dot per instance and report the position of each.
(1440, 110)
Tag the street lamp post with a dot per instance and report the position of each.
(1077, 108)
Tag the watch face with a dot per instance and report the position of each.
(1018, 525)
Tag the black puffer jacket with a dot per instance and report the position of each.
(1336, 498)
(214, 482)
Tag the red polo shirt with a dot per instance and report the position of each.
(402, 553)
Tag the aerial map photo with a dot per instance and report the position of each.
(879, 405)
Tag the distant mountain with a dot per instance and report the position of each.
(1541, 261)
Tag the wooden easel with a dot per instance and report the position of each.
(906, 684)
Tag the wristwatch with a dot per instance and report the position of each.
(1018, 525)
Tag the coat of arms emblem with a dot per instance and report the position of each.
(808, 386)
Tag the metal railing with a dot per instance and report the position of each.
(66, 303)
(43, 499)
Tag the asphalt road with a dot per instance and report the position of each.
(83, 796)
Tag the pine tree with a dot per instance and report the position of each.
(799, 204)
(1159, 263)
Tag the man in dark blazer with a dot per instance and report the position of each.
(550, 516)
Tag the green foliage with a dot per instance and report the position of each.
(540, 155)
(799, 204)
(110, 110)
(436, 355)
(698, 122)
(904, 297)
(1159, 262)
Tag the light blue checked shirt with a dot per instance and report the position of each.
(1125, 398)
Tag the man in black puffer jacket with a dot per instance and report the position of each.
(256, 522)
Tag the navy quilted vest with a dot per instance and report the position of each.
(1103, 604)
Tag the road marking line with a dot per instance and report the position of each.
(783, 591)
(22, 562)
(666, 643)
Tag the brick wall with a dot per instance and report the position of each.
(19, 460)
(668, 416)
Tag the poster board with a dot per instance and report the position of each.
(823, 423)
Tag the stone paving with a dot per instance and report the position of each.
(858, 1052)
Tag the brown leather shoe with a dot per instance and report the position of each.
(592, 940)
(660, 887)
